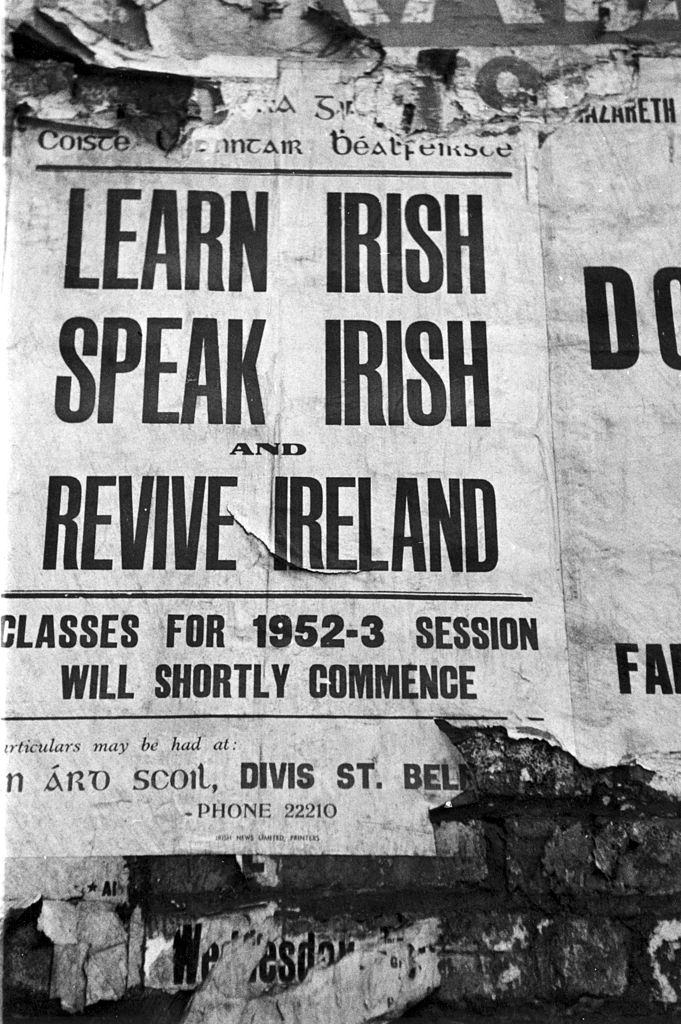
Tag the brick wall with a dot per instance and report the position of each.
(555, 885)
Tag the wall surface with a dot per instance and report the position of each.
(554, 890)
(554, 886)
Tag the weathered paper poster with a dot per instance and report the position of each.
(611, 201)
(283, 482)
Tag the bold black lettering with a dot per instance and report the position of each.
(302, 487)
(664, 310)
(477, 370)
(675, 651)
(334, 401)
(55, 519)
(214, 520)
(242, 372)
(74, 243)
(407, 526)
(281, 558)
(334, 521)
(287, 970)
(134, 531)
(472, 489)
(197, 236)
(438, 393)
(248, 237)
(88, 390)
(334, 243)
(204, 354)
(187, 536)
(393, 339)
(355, 368)
(73, 681)
(163, 218)
(444, 519)
(356, 239)
(111, 365)
(432, 280)
(624, 666)
(154, 367)
(186, 949)
(161, 522)
(456, 240)
(657, 673)
(91, 520)
(114, 235)
(603, 357)
(267, 969)
(394, 241)
(366, 562)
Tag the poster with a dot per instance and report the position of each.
(323, 436)
(283, 489)
(613, 276)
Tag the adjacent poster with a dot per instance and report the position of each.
(612, 230)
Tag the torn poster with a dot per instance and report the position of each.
(254, 963)
(613, 279)
(284, 477)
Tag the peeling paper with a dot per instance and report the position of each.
(90, 953)
(375, 982)
(26, 880)
(214, 39)
(664, 950)
(153, 40)
(252, 966)
(180, 953)
(260, 870)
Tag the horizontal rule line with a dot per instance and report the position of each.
(277, 595)
(278, 172)
(145, 718)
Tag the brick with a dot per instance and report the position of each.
(462, 862)
(488, 957)
(524, 771)
(525, 842)
(162, 878)
(465, 845)
(567, 861)
(651, 861)
(476, 979)
(579, 957)
(26, 964)
(579, 857)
